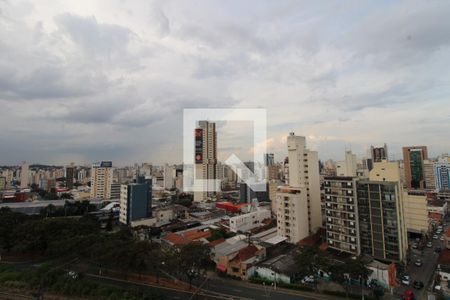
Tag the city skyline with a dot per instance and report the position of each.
(83, 82)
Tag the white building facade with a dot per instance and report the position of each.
(249, 221)
(101, 180)
(299, 206)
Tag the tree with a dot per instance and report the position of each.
(9, 221)
(66, 196)
(311, 260)
(378, 292)
(349, 269)
(191, 260)
(34, 187)
(48, 211)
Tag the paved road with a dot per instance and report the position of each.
(168, 293)
(222, 288)
(425, 272)
(253, 291)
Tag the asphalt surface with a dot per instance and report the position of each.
(423, 273)
(219, 288)
(253, 291)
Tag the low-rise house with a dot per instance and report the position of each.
(437, 210)
(182, 238)
(281, 268)
(236, 255)
(249, 221)
(238, 263)
(381, 273)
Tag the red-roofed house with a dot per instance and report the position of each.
(178, 239)
(216, 242)
(244, 259)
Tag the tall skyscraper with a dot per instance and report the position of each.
(299, 206)
(269, 159)
(101, 180)
(429, 174)
(348, 166)
(205, 158)
(341, 210)
(378, 154)
(442, 174)
(2, 183)
(382, 225)
(169, 176)
(413, 158)
(70, 176)
(24, 172)
(135, 200)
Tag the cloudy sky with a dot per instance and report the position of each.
(89, 80)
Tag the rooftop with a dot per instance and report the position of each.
(284, 264)
(186, 237)
(444, 258)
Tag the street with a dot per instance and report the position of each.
(221, 288)
(423, 273)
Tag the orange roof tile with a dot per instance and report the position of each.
(216, 242)
(323, 246)
(435, 216)
(246, 253)
(447, 232)
(444, 257)
(186, 237)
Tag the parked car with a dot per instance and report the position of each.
(308, 279)
(435, 237)
(72, 274)
(441, 238)
(437, 249)
(408, 295)
(405, 280)
(414, 246)
(418, 285)
(429, 245)
(418, 263)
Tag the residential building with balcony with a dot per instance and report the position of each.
(298, 205)
(341, 214)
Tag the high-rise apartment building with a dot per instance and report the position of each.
(378, 154)
(205, 158)
(269, 159)
(348, 166)
(429, 175)
(101, 180)
(382, 226)
(135, 200)
(2, 183)
(413, 158)
(442, 175)
(70, 176)
(24, 173)
(169, 176)
(341, 210)
(298, 206)
(115, 190)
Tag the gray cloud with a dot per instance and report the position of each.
(92, 79)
